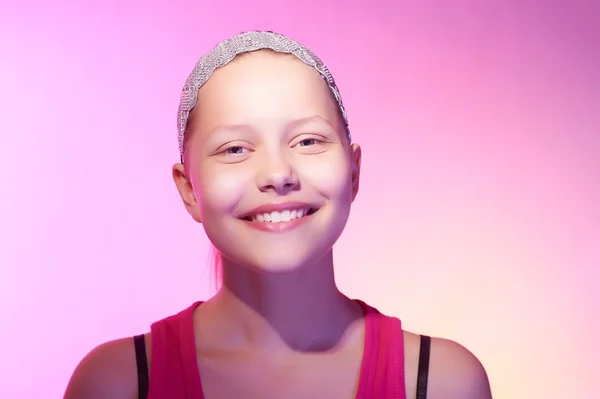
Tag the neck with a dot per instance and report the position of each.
(300, 309)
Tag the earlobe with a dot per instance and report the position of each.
(186, 191)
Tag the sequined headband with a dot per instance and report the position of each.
(227, 50)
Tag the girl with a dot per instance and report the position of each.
(269, 169)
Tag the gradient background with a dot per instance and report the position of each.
(478, 218)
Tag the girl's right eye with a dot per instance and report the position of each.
(235, 150)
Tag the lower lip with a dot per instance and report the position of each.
(280, 227)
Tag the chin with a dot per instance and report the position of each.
(285, 258)
(282, 257)
(267, 252)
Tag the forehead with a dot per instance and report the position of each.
(264, 86)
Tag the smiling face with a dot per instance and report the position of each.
(268, 168)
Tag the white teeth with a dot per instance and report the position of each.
(278, 217)
(275, 217)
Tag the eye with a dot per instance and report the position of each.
(234, 150)
(308, 142)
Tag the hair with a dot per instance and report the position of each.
(215, 259)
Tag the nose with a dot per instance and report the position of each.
(278, 175)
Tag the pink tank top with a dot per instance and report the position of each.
(174, 373)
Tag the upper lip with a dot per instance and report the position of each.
(278, 207)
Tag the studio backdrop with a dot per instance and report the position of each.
(479, 207)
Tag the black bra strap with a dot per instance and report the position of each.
(423, 371)
(142, 366)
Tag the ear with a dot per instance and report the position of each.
(355, 160)
(186, 191)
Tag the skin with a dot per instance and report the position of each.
(268, 134)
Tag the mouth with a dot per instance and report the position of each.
(280, 216)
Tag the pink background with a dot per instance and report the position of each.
(478, 218)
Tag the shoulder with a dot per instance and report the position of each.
(108, 371)
(454, 372)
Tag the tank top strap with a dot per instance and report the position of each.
(391, 358)
(384, 345)
(174, 372)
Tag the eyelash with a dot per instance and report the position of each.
(227, 150)
(316, 141)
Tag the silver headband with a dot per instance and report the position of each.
(227, 50)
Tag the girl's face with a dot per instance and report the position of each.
(269, 170)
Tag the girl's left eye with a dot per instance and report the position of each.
(307, 142)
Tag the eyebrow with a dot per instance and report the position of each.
(291, 125)
(303, 121)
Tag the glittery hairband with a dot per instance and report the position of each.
(226, 51)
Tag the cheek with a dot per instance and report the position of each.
(332, 177)
(219, 191)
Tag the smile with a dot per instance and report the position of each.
(280, 216)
